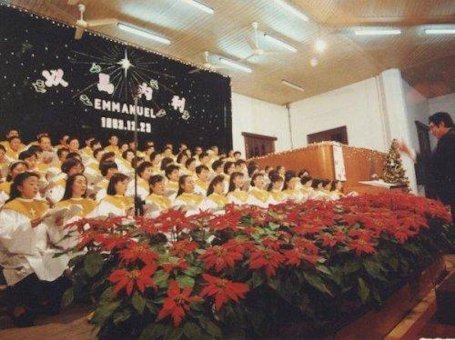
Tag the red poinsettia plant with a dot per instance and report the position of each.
(251, 271)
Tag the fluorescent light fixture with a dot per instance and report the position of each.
(292, 9)
(320, 45)
(200, 6)
(235, 65)
(280, 43)
(294, 86)
(377, 32)
(143, 33)
(440, 31)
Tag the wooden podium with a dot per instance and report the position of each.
(359, 164)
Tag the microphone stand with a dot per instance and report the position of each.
(138, 206)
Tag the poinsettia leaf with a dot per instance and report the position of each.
(317, 283)
(324, 269)
(160, 278)
(257, 279)
(108, 295)
(352, 266)
(185, 281)
(273, 225)
(191, 330)
(68, 297)
(374, 269)
(364, 291)
(153, 331)
(104, 311)
(138, 302)
(122, 316)
(193, 271)
(210, 327)
(174, 334)
(93, 264)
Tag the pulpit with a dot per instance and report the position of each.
(331, 160)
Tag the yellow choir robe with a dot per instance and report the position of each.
(214, 202)
(259, 197)
(172, 187)
(159, 203)
(238, 197)
(101, 186)
(189, 201)
(117, 205)
(112, 148)
(278, 196)
(294, 194)
(200, 187)
(25, 250)
(143, 188)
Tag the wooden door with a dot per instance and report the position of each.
(258, 145)
(339, 134)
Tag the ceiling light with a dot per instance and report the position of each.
(235, 65)
(440, 31)
(314, 62)
(377, 32)
(294, 86)
(200, 6)
(292, 9)
(143, 33)
(320, 45)
(280, 43)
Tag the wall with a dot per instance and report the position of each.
(257, 116)
(357, 106)
(443, 103)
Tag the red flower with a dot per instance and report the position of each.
(182, 248)
(268, 259)
(223, 290)
(229, 220)
(221, 257)
(177, 303)
(111, 241)
(295, 256)
(272, 243)
(179, 264)
(361, 246)
(138, 251)
(172, 219)
(124, 279)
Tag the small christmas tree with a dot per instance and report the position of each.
(393, 169)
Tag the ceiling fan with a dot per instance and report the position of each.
(207, 64)
(81, 24)
(254, 44)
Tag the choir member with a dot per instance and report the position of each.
(115, 203)
(257, 195)
(157, 197)
(113, 145)
(172, 173)
(216, 199)
(202, 182)
(144, 172)
(236, 194)
(34, 276)
(291, 189)
(15, 169)
(275, 188)
(186, 197)
(107, 169)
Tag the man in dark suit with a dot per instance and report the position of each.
(442, 161)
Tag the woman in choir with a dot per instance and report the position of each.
(75, 195)
(172, 173)
(186, 197)
(155, 159)
(190, 166)
(276, 189)
(34, 276)
(15, 169)
(71, 166)
(303, 173)
(107, 169)
(4, 163)
(291, 188)
(320, 191)
(336, 189)
(257, 195)
(216, 199)
(73, 144)
(144, 172)
(307, 188)
(236, 194)
(202, 181)
(124, 162)
(157, 199)
(165, 162)
(228, 170)
(115, 203)
(281, 170)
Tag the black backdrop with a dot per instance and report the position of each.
(50, 82)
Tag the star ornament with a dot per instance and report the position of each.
(125, 63)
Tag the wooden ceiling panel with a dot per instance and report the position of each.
(348, 58)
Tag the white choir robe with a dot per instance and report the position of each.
(189, 202)
(260, 198)
(25, 250)
(238, 197)
(109, 206)
(143, 188)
